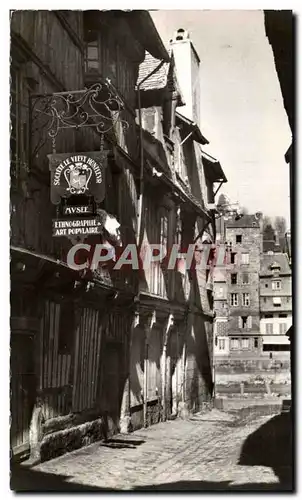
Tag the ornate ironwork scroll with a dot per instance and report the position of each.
(97, 106)
(94, 107)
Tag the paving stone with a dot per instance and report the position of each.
(202, 452)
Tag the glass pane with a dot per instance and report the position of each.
(92, 52)
(92, 65)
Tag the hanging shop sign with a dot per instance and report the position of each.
(78, 174)
(76, 227)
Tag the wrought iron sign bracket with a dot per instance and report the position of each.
(98, 107)
(78, 178)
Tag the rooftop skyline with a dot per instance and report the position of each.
(241, 109)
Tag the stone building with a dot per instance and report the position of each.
(252, 304)
(236, 290)
(275, 304)
(95, 352)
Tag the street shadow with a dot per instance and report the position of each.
(27, 480)
(221, 486)
(122, 443)
(271, 446)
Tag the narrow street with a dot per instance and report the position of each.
(211, 451)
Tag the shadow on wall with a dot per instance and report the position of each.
(271, 446)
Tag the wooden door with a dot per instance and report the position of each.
(22, 390)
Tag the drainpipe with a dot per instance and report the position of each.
(141, 177)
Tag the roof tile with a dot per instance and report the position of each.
(280, 258)
(159, 79)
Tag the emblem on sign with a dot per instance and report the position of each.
(78, 174)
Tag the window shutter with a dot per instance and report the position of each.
(249, 322)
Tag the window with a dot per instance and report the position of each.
(234, 279)
(245, 278)
(245, 343)
(234, 344)
(238, 238)
(269, 328)
(92, 57)
(277, 301)
(221, 344)
(163, 224)
(282, 328)
(276, 285)
(67, 324)
(245, 299)
(282, 315)
(256, 342)
(243, 322)
(245, 258)
(268, 316)
(266, 285)
(233, 257)
(264, 299)
(234, 299)
(19, 133)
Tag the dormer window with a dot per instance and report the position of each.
(275, 268)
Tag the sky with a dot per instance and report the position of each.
(242, 112)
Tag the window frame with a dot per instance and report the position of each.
(233, 258)
(221, 342)
(232, 341)
(245, 258)
(275, 282)
(95, 70)
(231, 299)
(245, 296)
(246, 346)
(267, 325)
(20, 91)
(236, 278)
(248, 278)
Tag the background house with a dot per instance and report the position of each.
(275, 304)
(251, 348)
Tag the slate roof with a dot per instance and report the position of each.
(245, 221)
(159, 79)
(276, 258)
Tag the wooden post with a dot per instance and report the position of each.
(125, 420)
(167, 328)
(148, 328)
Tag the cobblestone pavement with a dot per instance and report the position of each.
(206, 452)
